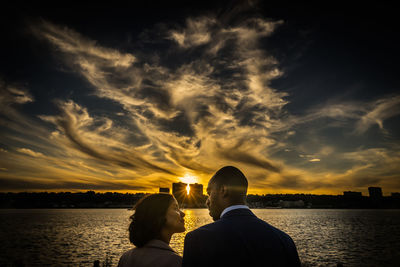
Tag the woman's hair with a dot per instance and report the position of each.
(149, 218)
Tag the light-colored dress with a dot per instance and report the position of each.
(154, 253)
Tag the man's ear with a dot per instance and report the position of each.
(224, 191)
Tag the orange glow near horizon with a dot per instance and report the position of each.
(148, 121)
(189, 179)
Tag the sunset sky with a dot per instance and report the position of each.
(302, 99)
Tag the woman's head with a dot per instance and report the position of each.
(154, 215)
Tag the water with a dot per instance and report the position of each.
(78, 237)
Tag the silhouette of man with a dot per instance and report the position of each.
(237, 237)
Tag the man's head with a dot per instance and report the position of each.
(227, 187)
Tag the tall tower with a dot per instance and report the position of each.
(375, 192)
(179, 191)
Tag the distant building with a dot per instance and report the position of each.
(291, 203)
(164, 190)
(375, 192)
(395, 195)
(351, 194)
(196, 190)
(179, 191)
(195, 197)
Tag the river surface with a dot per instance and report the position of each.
(78, 237)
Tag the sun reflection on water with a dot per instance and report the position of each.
(194, 218)
(78, 237)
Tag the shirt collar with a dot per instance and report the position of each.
(234, 207)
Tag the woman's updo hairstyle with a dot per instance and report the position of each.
(149, 218)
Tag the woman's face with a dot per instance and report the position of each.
(175, 222)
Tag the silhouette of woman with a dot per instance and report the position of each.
(157, 217)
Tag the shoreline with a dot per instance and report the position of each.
(194, 208)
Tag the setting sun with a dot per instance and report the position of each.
(188, 179)
(240, 129)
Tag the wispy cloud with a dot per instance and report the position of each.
(177, 110)
(196, 32)
(11, 94)
(30, 152)
(211, 105)
(76, 124)
(70, 41)
(379, 111)
(361, 116)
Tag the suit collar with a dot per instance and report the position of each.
(233, 207)
(238, 212)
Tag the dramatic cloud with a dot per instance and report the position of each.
(76, 123)
(10, 94)
(210, 105)
(363, 114)
(29, 152)
(178, 110)
(379, 111)
(197, 32)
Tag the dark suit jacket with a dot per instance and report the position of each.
(239, 238)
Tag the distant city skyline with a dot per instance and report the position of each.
(302, 98)
(91, 199)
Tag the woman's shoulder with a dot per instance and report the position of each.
(158, 244)
(127, 257)
(158, 247)
(168, 259)
(154, 253)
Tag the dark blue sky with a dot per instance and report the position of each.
(303, 98)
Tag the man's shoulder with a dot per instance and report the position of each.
(230, 219)
(204, 232)
(245, 224)
(206, 228)
(271, 228)
(277, 230)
